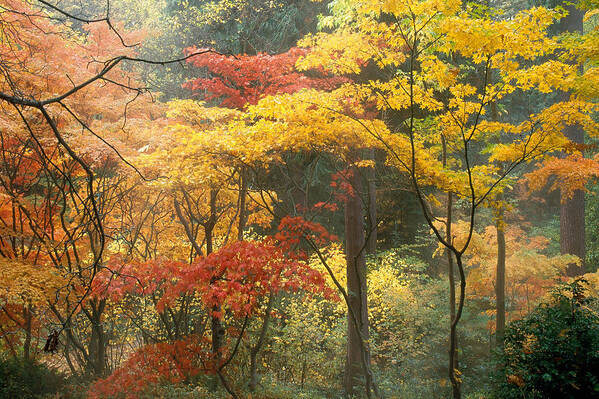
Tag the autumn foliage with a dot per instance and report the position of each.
(190, 239)
(235, 280)
(164, 362)
(567, 174)
(236, 276)
(240, 80)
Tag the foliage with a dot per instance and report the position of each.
(530, 272)
(230, 27)
(425, 76)
(306, 340)
(30, 284)
(159, 363)
(408, 319)
(56, 171)
(234, 277)
(494, 46)
(29, 380)
(178, 276)
(241, 80)
(553, 351)
(568, 174)
(238, 275)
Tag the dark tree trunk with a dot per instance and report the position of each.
(500, 282)
(456, 383)
(216, 327)
(572, 229)
(27, 344)
(298, 194)
(97, 343)
(253, 371)
(370, 174)
(356, 289)
(256, 348)
(454, 361)
(243, 189)
(217, 333)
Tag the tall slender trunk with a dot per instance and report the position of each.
(356, 289)
(298, 190)
(243, 189)
(27, 344)
(216, 327)
(453, 345)
(256, 348)
(370, 174)
(500, 281)
(303, 376)
(455, 312)
(454, 362)
(456, 382)
(572, 228)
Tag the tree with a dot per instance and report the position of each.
(236, 82)
(429, 96)
(529, 270)
(241, 80)
(330, 132)
(232, 280)
(572, 236)
(49, 76)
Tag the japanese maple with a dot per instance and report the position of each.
(244, 79)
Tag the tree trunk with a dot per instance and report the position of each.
(27, 343)
(298, 194)
(456, 382)
(253, 371)
(356, 289)
(97, 343)
(453, 357)
(370, 174)
(500, 281)
(256, 348)
(216, 327)
(572, 229)
(454, 361)
(217, 333)
(243, 189)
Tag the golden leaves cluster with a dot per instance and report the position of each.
(23, 283)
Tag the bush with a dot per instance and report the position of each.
(22, 379)
(554, 351)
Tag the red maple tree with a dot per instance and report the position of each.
(243, 79)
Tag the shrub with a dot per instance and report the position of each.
(23, 379)
(554, 351)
